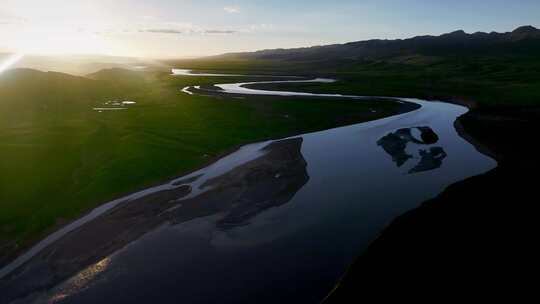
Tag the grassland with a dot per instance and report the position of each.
(60, 158)
(487, 80)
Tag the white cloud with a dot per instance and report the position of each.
(190, 31)
(182, 28)
(232, 9)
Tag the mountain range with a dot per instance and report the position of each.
(524, 40)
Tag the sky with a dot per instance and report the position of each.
(183, 28)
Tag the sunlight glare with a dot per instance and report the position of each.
(11, 60)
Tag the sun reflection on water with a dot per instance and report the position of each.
(79, 281)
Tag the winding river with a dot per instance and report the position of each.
(274, 222)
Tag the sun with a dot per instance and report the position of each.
(10, 61)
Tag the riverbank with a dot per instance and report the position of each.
(476, 233)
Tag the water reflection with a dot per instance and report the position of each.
(234, 197)
(397, 142)
(79, 281)
(430, 159)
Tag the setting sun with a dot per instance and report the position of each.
(6, 63)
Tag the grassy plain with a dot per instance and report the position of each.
(487, 80)
(60, 158)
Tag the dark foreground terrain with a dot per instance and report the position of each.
(476, 238)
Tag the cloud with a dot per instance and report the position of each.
(190, 29)
(220, 32)
(231, 9)
(170, 28)
(164, 31)
(187, 31)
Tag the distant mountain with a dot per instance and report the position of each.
(28, 80)
(81, 64)
(524, 40)
(27, 90)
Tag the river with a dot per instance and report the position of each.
(274, 222)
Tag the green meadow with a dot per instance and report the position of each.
(506, 79)
(60, 158)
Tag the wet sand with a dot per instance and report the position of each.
(270, 180)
